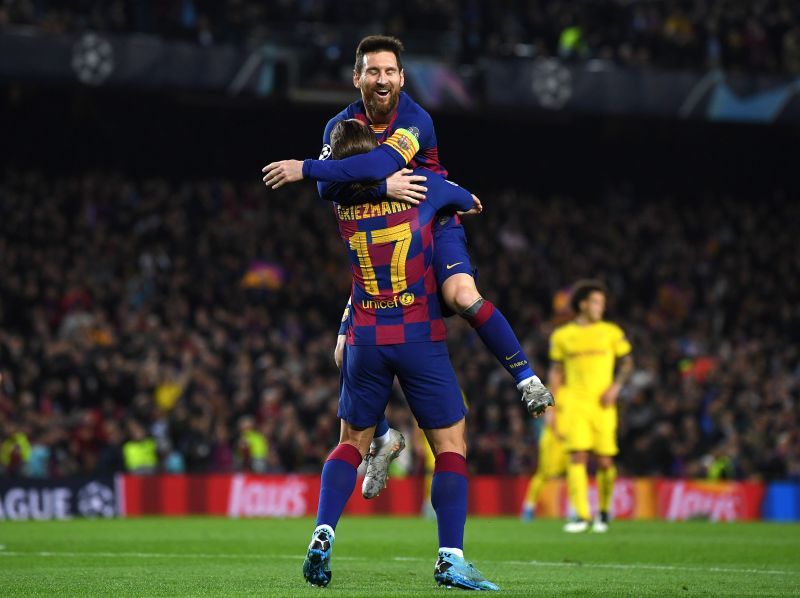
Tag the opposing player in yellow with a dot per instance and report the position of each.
(591, 361)
(552, 461)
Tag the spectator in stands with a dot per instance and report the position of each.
(253, 446)
(15, 450)
(139, 452)
(734, 33)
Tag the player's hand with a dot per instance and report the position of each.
(338, 352)
(609, 397)
(477, 207)
(405, 186)
(278, 174)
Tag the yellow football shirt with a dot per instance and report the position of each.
(588, 354)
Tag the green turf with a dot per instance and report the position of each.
(383, 557)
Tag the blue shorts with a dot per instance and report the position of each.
(425, 375)
(450, 255)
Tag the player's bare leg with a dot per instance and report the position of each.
(578, 489)
(606, 475)
(459, 292)
(462, 296)
(449, 499)
(338, 482)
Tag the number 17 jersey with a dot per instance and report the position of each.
(390, 245)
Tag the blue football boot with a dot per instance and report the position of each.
(317, 566)
(454, 572)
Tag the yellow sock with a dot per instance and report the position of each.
(605, 487)
(534, 489)
(578, 487)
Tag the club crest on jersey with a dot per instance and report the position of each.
(325, 153)
(407, 298)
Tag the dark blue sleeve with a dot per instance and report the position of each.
(442, 193)
(372, 166)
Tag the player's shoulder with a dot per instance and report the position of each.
(407, 104)
(412, 116)
(562, 331)
(611, 328)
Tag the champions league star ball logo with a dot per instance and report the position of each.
(552, 83)
(96, 500)
(92, 59)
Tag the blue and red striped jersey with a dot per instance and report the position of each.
(390, 244)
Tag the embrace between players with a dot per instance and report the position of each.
(410, 267)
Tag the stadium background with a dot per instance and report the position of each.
(152, 289)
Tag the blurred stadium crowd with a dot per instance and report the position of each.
(153, 326)
(761, 35)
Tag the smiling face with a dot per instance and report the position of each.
(380, 81)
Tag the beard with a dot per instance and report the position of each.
(375, 106)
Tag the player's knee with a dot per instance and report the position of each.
(453, 444)
(359, 438)
(579, 458)
(605, 463)
(453, 447)
(464, 297)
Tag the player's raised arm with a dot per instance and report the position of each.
(389, 157)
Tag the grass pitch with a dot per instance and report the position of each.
(386, 557)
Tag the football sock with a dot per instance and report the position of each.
(338, 481)
(605, 488)
(449, 500)
(534, 488)
(495, 332)
(578, 487)
(381, 434)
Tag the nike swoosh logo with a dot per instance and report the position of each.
(510, 357)
(451, 266)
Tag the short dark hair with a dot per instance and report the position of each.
(350, 137)
(378, 43)
(581, 291)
